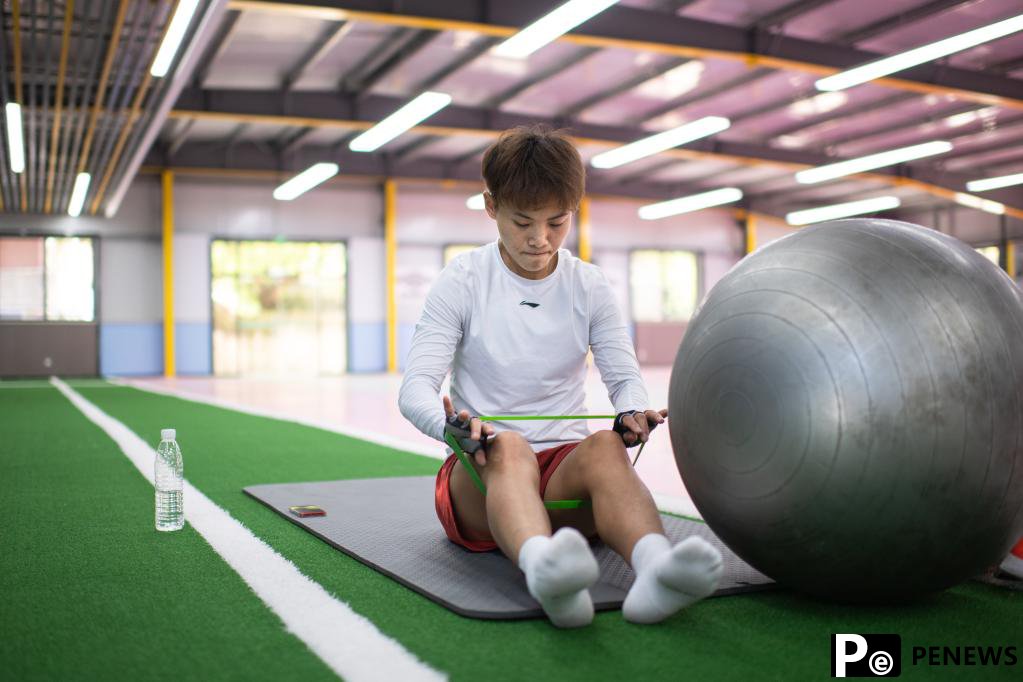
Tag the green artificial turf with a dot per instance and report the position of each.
(758, 636)
(89, 590)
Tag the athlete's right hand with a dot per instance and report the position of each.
(470, 432)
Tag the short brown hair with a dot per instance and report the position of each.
(530, 167)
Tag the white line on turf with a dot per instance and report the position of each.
(671, 504)
(348, 643)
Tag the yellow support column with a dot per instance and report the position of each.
(391, 242)
(167, 182)
(584, 230)
(751, 233)
(1010, 259)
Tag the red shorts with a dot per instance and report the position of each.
(548, 460)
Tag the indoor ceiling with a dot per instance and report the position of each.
(276, 86)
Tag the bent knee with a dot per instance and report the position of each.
(604, 447)
(509, 450)
(607, 440)
(508, 440)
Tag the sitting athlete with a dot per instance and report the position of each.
(514, 321)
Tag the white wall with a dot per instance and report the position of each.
(428, 218)
(191, 278)
(616, 224)
(247, 210)
(432, 215)
(130, 285)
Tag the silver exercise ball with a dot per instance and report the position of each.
(846, 410)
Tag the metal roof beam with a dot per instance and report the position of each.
(897, 20)
(693, 98)
(296, 140)
(674, 6)
(254, 157)
(904, 125)
(845, 112)
(180, 136)
(778, 18)
(469, 155)
(378, 65)
(207, 18)
(648, 171)
(1015, 125)
(216, 47)
(657, 31)
(411, 148)
(323, 45)
(331, 110)
(482, 45)
(1010, 65)
(542, 75)
(645, 75)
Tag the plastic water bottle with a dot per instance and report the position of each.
(170, 514)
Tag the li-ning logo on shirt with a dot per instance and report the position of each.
(530, 304)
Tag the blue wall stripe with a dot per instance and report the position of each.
(137, 348)
(192, 341)
(367, 344)
(130, 348)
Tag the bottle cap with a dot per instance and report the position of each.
(168, 434)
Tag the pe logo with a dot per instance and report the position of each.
(866, 655)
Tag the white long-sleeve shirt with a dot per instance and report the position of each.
(518, 346)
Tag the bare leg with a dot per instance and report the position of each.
(598, 470)
(512, 511)
(624, 515)
(558, 570)
(623, 509)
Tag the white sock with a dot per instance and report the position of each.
(559, 570)
(670, 578)
(1013, 565)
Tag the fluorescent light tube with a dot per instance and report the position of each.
(660, 142)
(15, 141)
(985, 184)
(476, 202)
(980, 204)
(816, 215)
(920, 55)
(865, 163)
(688, 204)
(172, 39)
(305, 181)
(78, 194)
(550, 27)
(422, 107)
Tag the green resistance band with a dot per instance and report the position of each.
(549, 504)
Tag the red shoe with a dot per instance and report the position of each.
(1013, 564)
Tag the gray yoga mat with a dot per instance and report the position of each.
(390, 525)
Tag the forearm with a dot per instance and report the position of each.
(419, 402)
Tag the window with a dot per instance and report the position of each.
(992, 253)
(278, 308)
(664, 285)
(47, 278)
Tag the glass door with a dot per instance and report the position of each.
(279, 308)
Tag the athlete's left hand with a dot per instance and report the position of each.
(635, 427)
